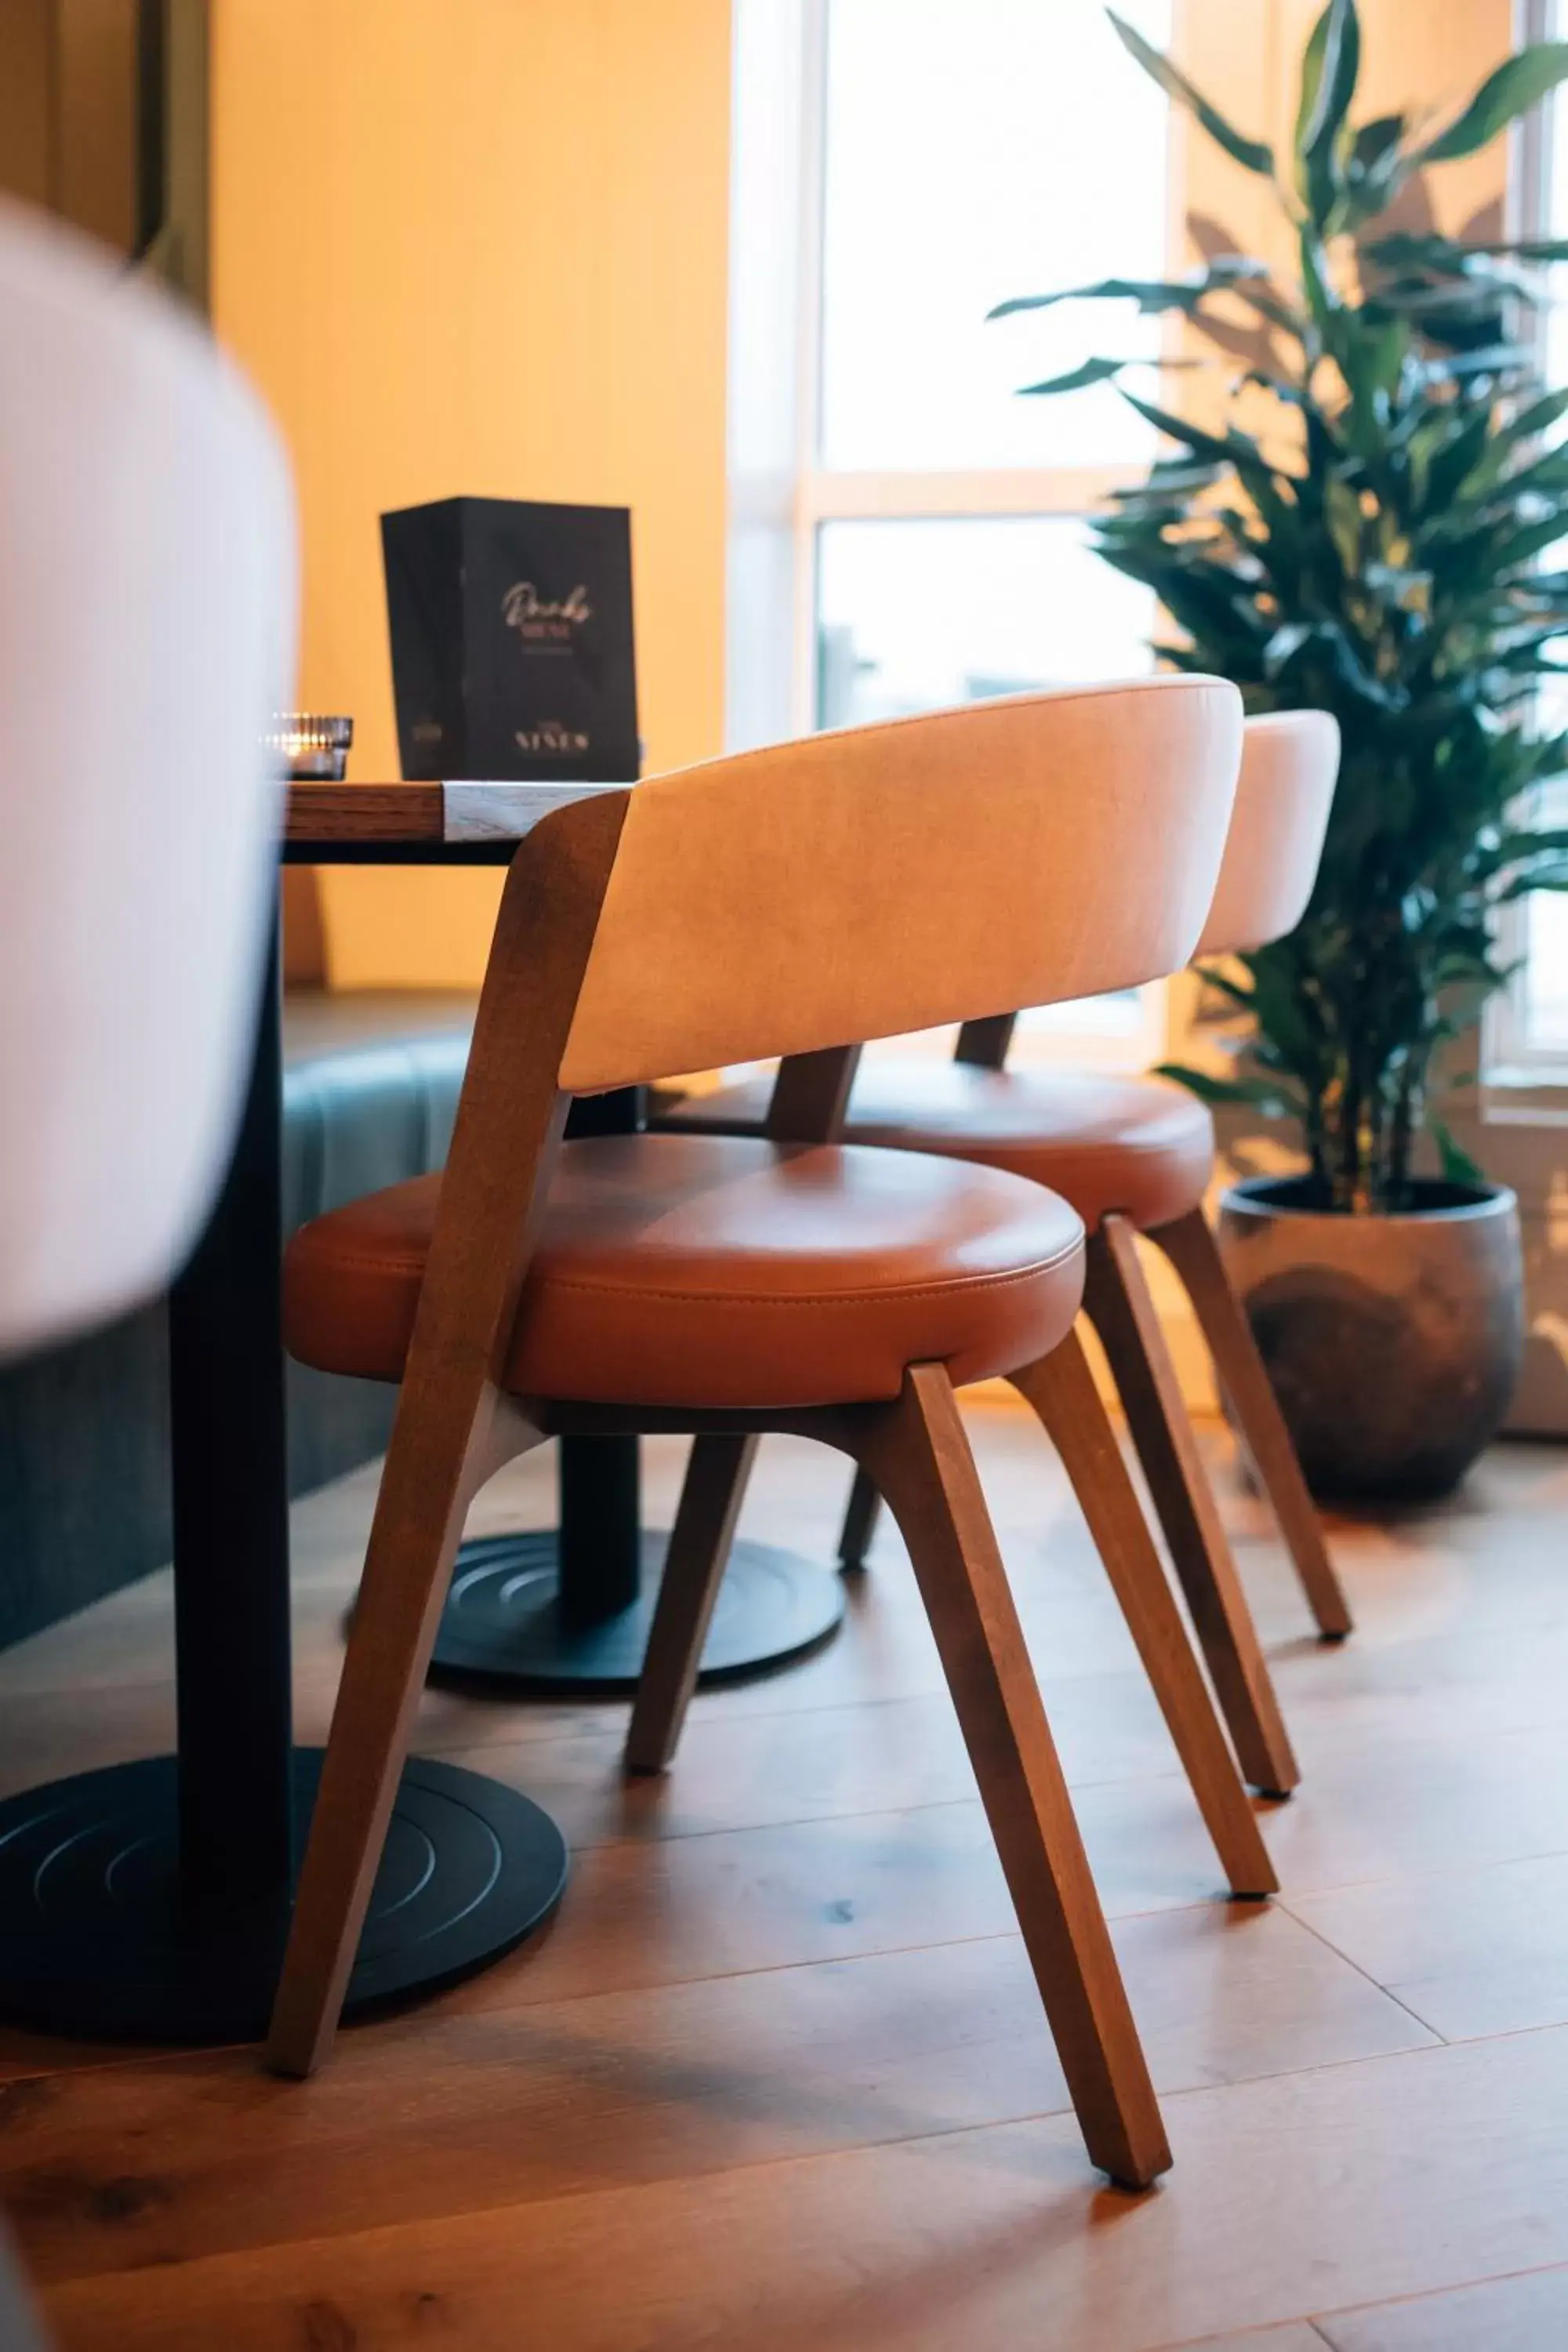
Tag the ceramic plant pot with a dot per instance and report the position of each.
(1393, 1342)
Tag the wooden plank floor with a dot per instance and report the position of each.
(777, 2079)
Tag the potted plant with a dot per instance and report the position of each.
(1370, 526)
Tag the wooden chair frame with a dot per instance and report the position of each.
(456, 1425)
(1118, 1303)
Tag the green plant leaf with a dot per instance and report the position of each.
(1211, 445)
(1321, 306)
(1552, 877)
(1522, 546)
(1376, 169)
(1264, 1094)
(1539, 417)
(1091, 372)
(1517, 85)
(1172, 294)
(1439, 266)
(1329, 73)
(1377, 139)
(1152, 295)
(1514, 848)
(1492, 359)
(1458, 1166)
(1270, 305)
(1452, 255)
(1170, 484)
(1212, 977)
(1311, 83)
(1253, 153)
(1450, 301)
(1341, 512)
(1229, 448)
(1376, 147)
(1532, 250)
(1452, 466)
(1283, 647)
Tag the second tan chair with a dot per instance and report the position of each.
(728, 1287)
(1135, 1155)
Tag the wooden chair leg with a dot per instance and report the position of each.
(865, 1508)
(1191, 1248)
(1116, 1300)
(919, 1458)
(693, 1570)
(1061, 1389)
(428, 1477)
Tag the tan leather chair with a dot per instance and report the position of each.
(731, 1286)
(1135, 1154)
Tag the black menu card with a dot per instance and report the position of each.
(511, 640)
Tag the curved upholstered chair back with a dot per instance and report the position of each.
(146, 632)
(1290, 764)
(885, 878)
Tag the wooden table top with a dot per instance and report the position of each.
(418, 825)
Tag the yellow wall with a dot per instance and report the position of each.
(480, 246)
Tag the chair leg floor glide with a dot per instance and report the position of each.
(1062, 1393)
(1118, 1302)
(1190, 1246)
(919, 1455)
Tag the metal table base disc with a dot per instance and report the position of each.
(503, 1622)
(97, 1941)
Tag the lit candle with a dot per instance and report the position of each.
(306, 746)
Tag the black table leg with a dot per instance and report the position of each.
(600, 1539)
(229, 1445)
(152, 1901)
(571, 1609)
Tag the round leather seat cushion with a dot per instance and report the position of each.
(723, 1272)
(1138, 1146)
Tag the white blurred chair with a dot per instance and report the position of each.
(146, 620)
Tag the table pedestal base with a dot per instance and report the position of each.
(101, 1942)
(504, 1623)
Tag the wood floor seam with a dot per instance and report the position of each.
(815, 1821)
(1387, 1991)
(1417, 1877)
(1323, 2321)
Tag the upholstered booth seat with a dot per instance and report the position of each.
(722, 1273)
(370, 1090)
(1139, 1147)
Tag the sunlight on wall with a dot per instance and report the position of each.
(480, 246)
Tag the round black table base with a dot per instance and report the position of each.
(97, 1944)
(503, 1623)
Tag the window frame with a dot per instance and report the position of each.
(826, 494)
(769, 698)
(1523, 1082)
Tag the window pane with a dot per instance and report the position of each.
(979, 149)
(911, 616)
(1555, 319)
(1545, 979)
(1546, 976)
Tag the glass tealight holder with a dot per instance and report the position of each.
(309, 748)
